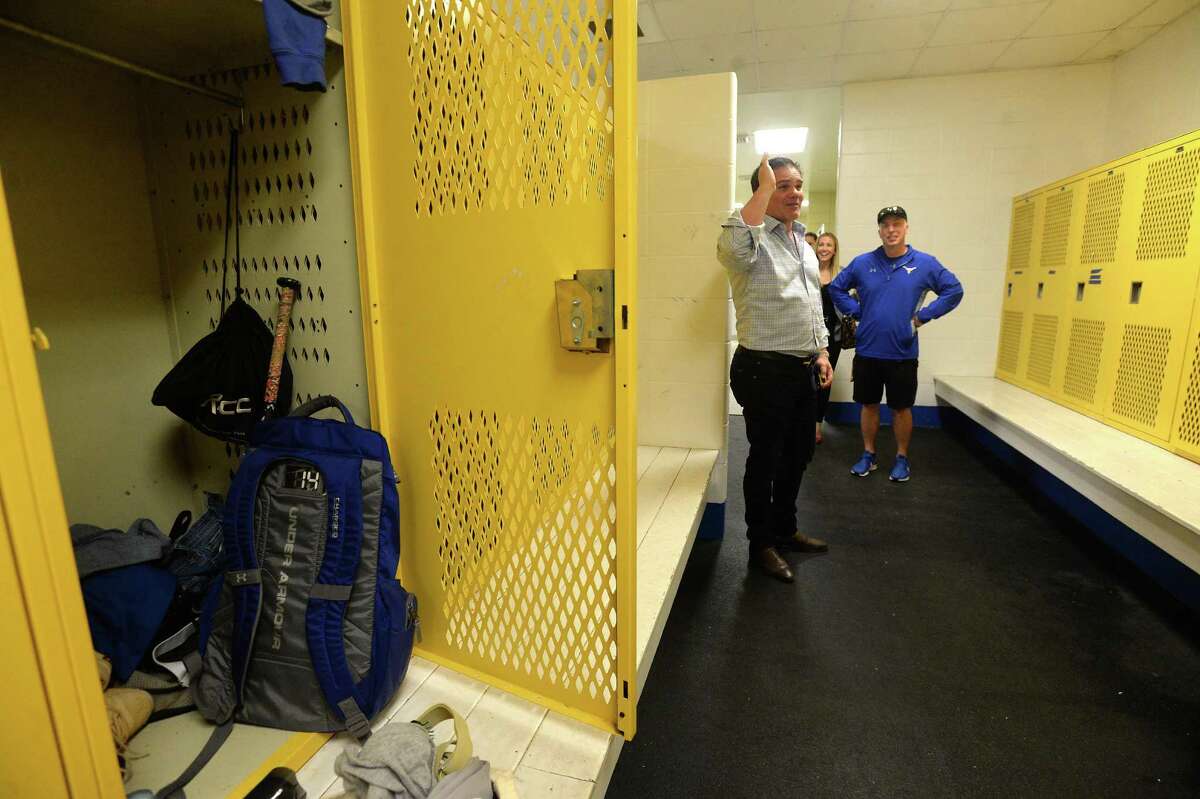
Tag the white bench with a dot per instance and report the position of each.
(1145, 487)
(552, 755)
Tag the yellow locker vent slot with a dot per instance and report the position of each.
(1056, 229)
(1167, 209)
(1189, 418)
(1102, 219)
(1020, 240)
(1041, 348)
(526, 516)
(1010, 340)
(1140, 371)
(1083, 359)
(513, 108)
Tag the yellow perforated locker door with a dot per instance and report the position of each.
(1185, 433)
(55, 740)
(1155, 290)
(1018, 281)
(1088, 368)
(1059, 246)
(493, 151)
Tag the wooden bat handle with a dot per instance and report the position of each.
(289, 289)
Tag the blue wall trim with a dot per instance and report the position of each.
(712, 523)
(1171, 575)
(847, 413)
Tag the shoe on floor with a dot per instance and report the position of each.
(104, 666)
(866, 464)
(128, 711)
(771, 563)
(799, 542)
(900, 472)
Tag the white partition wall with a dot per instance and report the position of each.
(686, 175)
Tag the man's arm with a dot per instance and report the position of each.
(839, 290)
(737, 248)
(949, 294)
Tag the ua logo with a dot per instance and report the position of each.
(220, 407)
(909, 269)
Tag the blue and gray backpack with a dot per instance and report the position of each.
(309, 629)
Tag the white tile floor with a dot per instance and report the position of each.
(550, 754)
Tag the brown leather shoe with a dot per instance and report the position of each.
(771, 563)
(799, 542)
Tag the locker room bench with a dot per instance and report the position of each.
(1145, 487)
(553, 755)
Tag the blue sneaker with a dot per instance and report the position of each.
(866, 464)
(900, 472)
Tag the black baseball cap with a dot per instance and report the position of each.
(891, 210)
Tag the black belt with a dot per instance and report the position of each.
(768, 355)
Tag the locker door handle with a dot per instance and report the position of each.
(586, 311)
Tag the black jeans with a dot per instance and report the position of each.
(778, 398)
(823, 394)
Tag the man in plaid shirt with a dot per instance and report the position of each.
(781, 358)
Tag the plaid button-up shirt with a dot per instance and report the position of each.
(776, 286)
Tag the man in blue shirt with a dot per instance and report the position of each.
(891, 283)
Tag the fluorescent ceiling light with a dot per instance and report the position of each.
(780, 141)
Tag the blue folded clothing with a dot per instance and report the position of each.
(125, 607)
(298, 44)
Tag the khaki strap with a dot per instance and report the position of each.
(452, 755)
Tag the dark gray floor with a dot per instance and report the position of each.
(960, 639)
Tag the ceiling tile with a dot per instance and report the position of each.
(798, 13)
(656, 61)
(1048, 51)
(800, 43)
(1082, 16)
(958, 58)
(882, 35)
(715, 53)
(1162, 12)
(1121, 40)
(874, 66)
(691, 19)
(882, 9)
(802, 74)
(985, 24)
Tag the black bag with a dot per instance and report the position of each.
(218, 385)
(849, 332)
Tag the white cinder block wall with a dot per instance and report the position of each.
(686, 175)
(953, 151)
(1155, 91)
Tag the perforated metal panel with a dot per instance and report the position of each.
(1056, 228)
(1043, 340)
(1143, 361)
(297, 221)
(1187, 430)
(1167, 206)
(1020, 240)
(1084, 353)
(526, 513)
(495, 129)
(492, 139)
(1102, 218)
(1010, 341)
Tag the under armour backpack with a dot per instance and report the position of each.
(308, 629)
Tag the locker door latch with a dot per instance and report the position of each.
(586, 311)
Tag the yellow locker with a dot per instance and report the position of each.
(1182, 239)
(1057, 247)
(1011, 357)
(1155, 288)
(1085, 378)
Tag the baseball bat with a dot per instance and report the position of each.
(289, 289)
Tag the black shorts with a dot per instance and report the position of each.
(872, 375)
